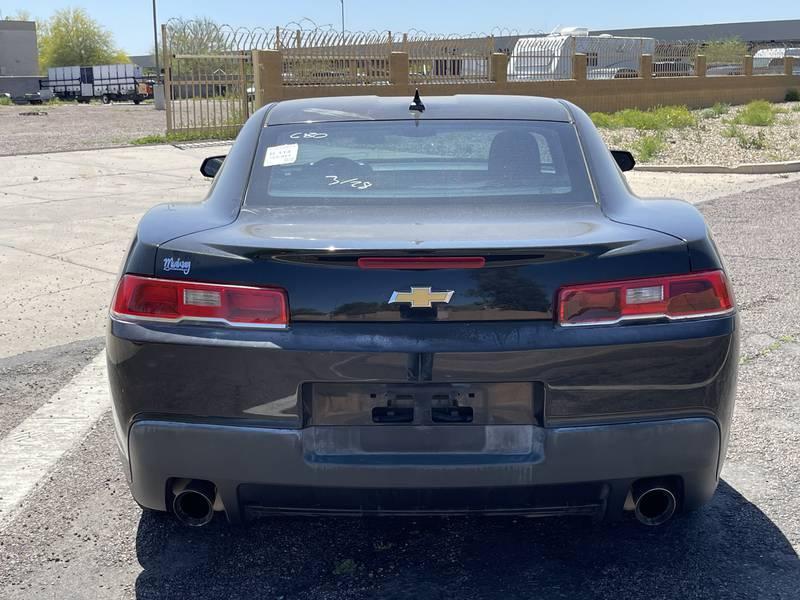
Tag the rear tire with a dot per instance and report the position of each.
(137, 100)
(105, 99)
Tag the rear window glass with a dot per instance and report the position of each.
(422, 159)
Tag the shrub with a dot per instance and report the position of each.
(746, 142)
(725, 51)
(655, 119)
(604, 120)
(758, 112)
(719, 109)
(792, 95)
(5, 101)
(648, 147)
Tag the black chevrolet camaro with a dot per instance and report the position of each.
(451, 307)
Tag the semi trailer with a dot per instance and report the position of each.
(106, 82)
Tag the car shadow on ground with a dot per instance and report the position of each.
(728, 549)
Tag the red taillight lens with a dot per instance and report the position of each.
(673, 297)
(165, 299)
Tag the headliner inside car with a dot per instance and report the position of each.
(370, 108)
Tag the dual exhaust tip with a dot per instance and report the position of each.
(193, 502)
(654, 503)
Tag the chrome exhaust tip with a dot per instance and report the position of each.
(654, 505)
(193, 504)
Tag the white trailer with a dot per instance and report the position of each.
(550, 56)
(107, 82)
(770, 60)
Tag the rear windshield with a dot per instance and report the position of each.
(417, 160)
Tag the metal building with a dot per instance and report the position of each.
(787, 31)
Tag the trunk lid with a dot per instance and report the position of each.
(529, 250)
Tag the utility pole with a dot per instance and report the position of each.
(342, 2)
(155, 40)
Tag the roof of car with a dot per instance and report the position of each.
(378, 108)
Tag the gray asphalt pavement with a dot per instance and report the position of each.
(79, 535)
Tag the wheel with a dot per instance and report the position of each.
(137, 100)
(105, 99)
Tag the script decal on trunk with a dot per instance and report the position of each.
(177, 264)
(421, 297)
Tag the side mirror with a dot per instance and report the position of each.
(624, 159)
(211, 166)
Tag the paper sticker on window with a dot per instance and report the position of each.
(284, 154)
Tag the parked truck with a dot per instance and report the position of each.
(550, 56)
(106, 82)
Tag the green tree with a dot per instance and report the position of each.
(728, 51)
(20, 15)
(72, 37)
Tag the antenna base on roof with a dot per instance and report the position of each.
(417, 104)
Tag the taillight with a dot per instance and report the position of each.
(173, 301)
(673, 297)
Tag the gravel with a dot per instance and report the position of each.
(72, 126)
(705, 143)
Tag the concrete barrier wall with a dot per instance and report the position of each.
(606, 95)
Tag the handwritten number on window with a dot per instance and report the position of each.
(354, 183)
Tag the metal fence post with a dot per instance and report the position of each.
(166, 58)
(788, 65)
(243, 89)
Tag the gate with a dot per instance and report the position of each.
(208, 83)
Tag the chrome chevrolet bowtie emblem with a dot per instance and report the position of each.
(420, 297)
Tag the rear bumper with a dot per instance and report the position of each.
(354, 470)
(607, 406)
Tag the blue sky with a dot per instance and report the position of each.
(131, 20)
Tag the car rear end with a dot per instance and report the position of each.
(469, 333)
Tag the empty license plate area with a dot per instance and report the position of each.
(419, 404)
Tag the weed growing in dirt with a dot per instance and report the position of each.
(656, 119)
(716, 111)
(648, 147)
(193, 136)
(745, 141)
(758, 112)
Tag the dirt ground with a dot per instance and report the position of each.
(72, 126)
